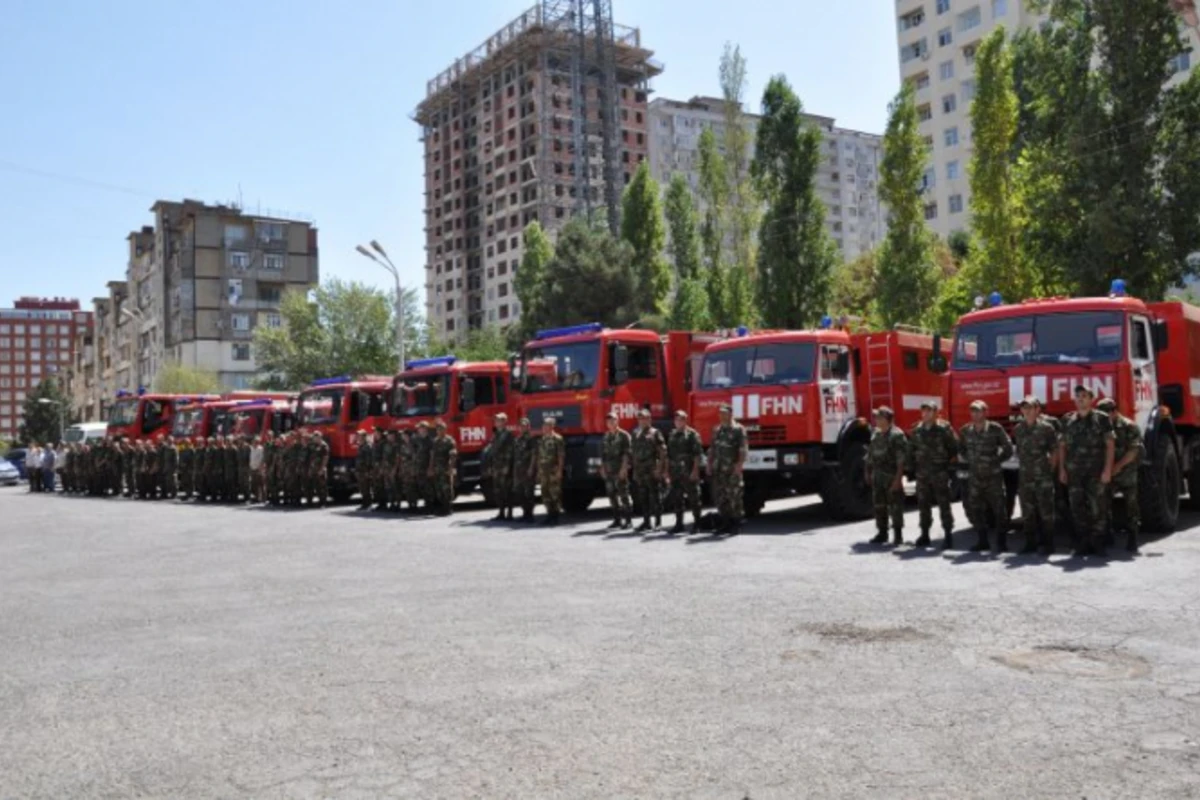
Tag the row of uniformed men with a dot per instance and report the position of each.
(1092, 452)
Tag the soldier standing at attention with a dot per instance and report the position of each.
(1037, 451)
(364, 469)
(933, 448)
(187, 461)
(318, 465)
(170, 467)
(499, 458)
(885, 473)
(270, 472)
(230, 473)
(986, 447)
(726, 458)
(394, 479)
(1085, 465)
(551, 455)
(199, 456)
(615, 461)
(243, 469)
(525, 449)
(124, 462)
(442, 457)
(649, 453)
(421, 449)
(1128, 451)
(381, 453)
(257, 471)
(684, 454)
(406, 487)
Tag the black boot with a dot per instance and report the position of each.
(499, 516)
(898, 538)
(617, 523)
(1031, 544)
(645, 526)
(1001, 543)
(735, 527)
(678, 525)
(627, 523)
(923, 540)
(880, 538)
(553, 520)
(695, 525)
(1131, 542)
(948, 541)
(658, 521)
(982, 544)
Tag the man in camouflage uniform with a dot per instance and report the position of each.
(1128, 452)
(499, 459)
(442, 457)
(169, 465)
(933, 448)
(187, 465)
(726, 459)
(885, 473)
(648, 453)
(684, 454)
(243, 470)
(525, 450)
(421, 452)
(125, 463)
(615, 462)
(406, 480)
(317, 463)
(364, 469)
(1036, 443)
(551, 456)
(270, 469)
(229, 475)
(148, 469)
(385, 460)
(293, 458)
(986, 447)
(1085, 464)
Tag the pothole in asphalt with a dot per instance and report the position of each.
(848, 633)
(1110, 664)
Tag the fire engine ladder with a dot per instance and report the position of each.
(879, 371)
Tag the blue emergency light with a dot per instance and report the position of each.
(262, 401)
(1118, 288)
(122, 393)
(331, 381)
(826, 322)
(141, 390)
(440, 361)
(742, 330)
(995, 299)
(554, 333)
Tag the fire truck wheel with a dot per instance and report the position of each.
(576, 501)
(844, 489)
(339, 495)
(1159, 488)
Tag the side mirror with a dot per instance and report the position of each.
(841, 367)
(937, 361)
(1158, 332)
(620, 364)
(467, 389)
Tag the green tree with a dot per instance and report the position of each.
(488, 343)
(530, 278)
(642, 226)
(853, 287)
(689, 307)
(42, 413)
(174, 378)
(796, 256)
(348, 328)
(683, 227)
(589, 279)
(906, 280)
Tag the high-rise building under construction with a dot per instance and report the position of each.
(545, 120)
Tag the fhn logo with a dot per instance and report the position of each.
(625, 410)
(1059, 387)
(472, 434)
(753, 406)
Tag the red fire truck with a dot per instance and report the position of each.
(338, 408)
(254, 418)
(805, 398)
(581, 373)
(467, 395)
(149, 416)
(1145, 356)
(212, 418)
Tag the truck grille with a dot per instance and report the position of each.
(768, 434)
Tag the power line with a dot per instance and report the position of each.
(75, 179)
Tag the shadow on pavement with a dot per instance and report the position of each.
(915, 553)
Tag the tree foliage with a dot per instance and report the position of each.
(588, 279)
(744, 207)
(689, 307)
(907, 284)
(683, 227)
(174, 378)
(796, 256)
(530, 278)
(42, 413)
(853, 286)
(488, 343)
(642, 226)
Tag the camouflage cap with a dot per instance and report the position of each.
(441, 424)
(726, 408)
(1082, 389)
(979, 405)
(681, 414)
(1107, 404)
(525, 421)
(644, 414)
(1032, 401)
(885, 412)
(422, 424)
(609, 415)
(502, 417)
(929, 405)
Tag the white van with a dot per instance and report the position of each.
(85, 432)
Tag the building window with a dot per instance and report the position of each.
(239, 259)
(239, 322)
(949, 104)
(946, 70)
(273, 261)
(913, 51)
(64, 344)
(929, 179)
(968, 91)
(945, 37)
(5, 329)
(269, 293)
(922, 81)
(241, 351)
(235, 235)
(1181, 62)
(930, 211)
(235, 291)
(970, 19)
(956, 204)
(952, 171)
(912, 20)
(950, 136)
(969, 54)
(274, 320)
(943, 6)
(269, 231)
(999, 8)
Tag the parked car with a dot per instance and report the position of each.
(16, 457)
(9, 474)
(85, 432)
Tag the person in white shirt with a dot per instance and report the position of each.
(257, 475)
(33, 467)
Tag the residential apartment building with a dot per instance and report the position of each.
(937, 44)
(543, 121)
(39, 337)
(847, 182)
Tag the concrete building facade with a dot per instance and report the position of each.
(937, 43)
(847, 182)
(545, 120)
(39, 338)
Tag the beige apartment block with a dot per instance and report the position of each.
(937, 41)
(847, 182)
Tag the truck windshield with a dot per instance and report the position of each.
(556, 367)
(124, 412)
(246, 421)
(320, 406)
(758, 365)
(421, 396)
(187, 422)
(1075, 338)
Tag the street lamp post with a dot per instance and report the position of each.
(382, 260)
(62, 414)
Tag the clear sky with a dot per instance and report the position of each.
(303, 106)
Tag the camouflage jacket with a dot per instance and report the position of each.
(985, 450)
(615, 452)
(886, 453)
(525, 452)
(684, 452)
(648, 451)
(550, 448)
(1128, 437)
(728, 447)
(442, 454)
(931, 448)
(1086, 438)
(499, 454)
(1035, 444)
(365, 460)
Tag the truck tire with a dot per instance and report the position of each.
(754, 496)
(576, 501)
(489, 497)
(844, 489)
(1159, 487)
(340, 494)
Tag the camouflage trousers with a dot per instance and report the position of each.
(186, 483)
(412, 488)
(502, 485)
(271, 487)
(1037, 508)
(888, 503)
(647, 493)
(986, 504)
(617, 489)
(933, 489)
(442, 491)
(130, 482)
(318, 488)
(379, 486)
(684, 496)
(551, 483)
(169, 488)
(1087, 496)
(727, 493)
(1127, 484)
(243, 482)
(522, 493)
(229, 483)
(365, 478)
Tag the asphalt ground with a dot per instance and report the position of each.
(157, 649)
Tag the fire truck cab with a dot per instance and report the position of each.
(200, 421)
(149, 416)
(467, 395)
(338, 408)
(805, 399)
(580, 373)
(1145, 356)
(255, 418)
